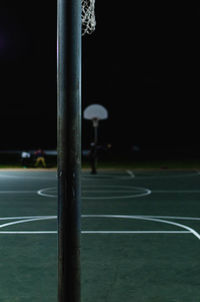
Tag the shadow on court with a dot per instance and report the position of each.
(140, 236)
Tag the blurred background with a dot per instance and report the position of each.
(141, 63)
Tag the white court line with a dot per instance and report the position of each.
(41, 192)
(132, 175)
(176, 224)
(28, 232)
(150, 219)
(24, 221)
(131, 192)
(173, 217)
(110, 216)
(16, 192)
(10, 176)
(148, 176)
(97, 232)
(175, 191)
(139, 192)
(27, 217)
(147, 218)
(25, 175)
(110, 191)
(135, 232)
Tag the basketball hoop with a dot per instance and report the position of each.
(88, 16)
(95, 113)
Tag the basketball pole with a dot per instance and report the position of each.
(69, 148)
(95, 123)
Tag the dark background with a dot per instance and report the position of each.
(141, 63)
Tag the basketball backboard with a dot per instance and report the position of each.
(95, 112)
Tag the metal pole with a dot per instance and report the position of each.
(95, 134)
(69, 148)
(94, 165)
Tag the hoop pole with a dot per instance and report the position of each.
(95, 134)
(94, 151)
(69, 148)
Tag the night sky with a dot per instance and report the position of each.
(142, 63)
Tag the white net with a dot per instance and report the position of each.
(88, 16)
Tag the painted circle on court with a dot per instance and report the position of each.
(103, 192)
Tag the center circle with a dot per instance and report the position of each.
(103, 192)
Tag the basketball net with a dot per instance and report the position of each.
(88, 16)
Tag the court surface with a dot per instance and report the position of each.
(140, 236)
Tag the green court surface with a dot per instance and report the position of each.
(140, 238)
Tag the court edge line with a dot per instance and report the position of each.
(16, 192)
(112, 216)
(135, 232)
(175, 191)
(24, 221)
(28, 217)
(151, 219)
(97, 232)
(28, 232)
